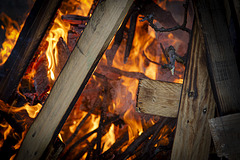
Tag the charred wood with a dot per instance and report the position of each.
(119, 35)
(17, 126)
(63, 54)
(119, 73)
(38, 20)
(54, 150)
(75, 19)
(164, 17)
(107, 122)
(116, 146)
(97, 103)
(150, 18)
(10, 118)
(7, 150)
(131, 33)
(144, 136)
(41, 81)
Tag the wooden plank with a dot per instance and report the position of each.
(30, 37)
(236, 4)
(221, 59)
(226, 135)
(197, 105)
(158, 97)
(95, 39)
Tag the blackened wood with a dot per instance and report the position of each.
(116, 146)
(119, 35)
(107, 122)
(10, 118)
(74, 19)
(30, 37)
(63, 54)
(162, 16)
(222, 65)
(17, 126)
(96, 104)
(118, 72)
(54, 149)
(131, 33)
(7, 150)
(139, 140)
(74, 76)
(41, 81)
(192, 139)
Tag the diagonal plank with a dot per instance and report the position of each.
(197, 105)
(80, 65)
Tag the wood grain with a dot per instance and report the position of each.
(80, 65)
(197, 105)
(226, 135)
(221, 59)
(158, 97)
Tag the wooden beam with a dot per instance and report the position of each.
(236, 4)
(221, 59)
(158, 97)
(95, 39)
(197, 105)
(225, 133)
(30, 37)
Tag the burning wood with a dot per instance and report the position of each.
(75, 19)
(111, 91)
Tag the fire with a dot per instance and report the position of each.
(59, 29)
(123, 91)
(12, 29)
(108, 139)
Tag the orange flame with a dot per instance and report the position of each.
(12, 29)
(59, 29)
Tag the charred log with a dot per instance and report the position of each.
(38, 20)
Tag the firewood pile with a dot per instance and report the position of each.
(99, 97)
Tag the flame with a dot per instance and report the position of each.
(108, 139)
(12, 30)
(123, 95)
(163, 4)
(8, 129)
(59, 29)
(31, 110)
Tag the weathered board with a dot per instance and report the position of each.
(197, 105)
(222, 65)
(158, 97)
(95, 39)
(226, 135)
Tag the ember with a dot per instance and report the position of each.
(104, 122)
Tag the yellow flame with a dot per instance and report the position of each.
(108, 139)
(31, 110)
(12, 32)
(59, 29)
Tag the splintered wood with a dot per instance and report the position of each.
(158, 97)
(74, 76)
(225, 133)
(192, 139)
